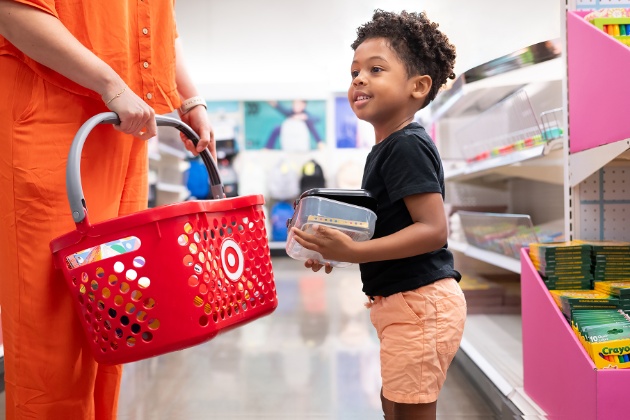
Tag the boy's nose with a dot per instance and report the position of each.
(359, 80)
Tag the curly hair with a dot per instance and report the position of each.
(418, 43)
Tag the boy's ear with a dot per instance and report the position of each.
(421, 86)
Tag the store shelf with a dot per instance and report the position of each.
(171, 188)
(165, 149)
(597, 104)
(485, 85)
(154, 156)
(489, 257)
(493, 343)
(558, 373)
(539, 163)
(277, 245)
(584, 164)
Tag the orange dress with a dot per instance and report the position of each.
(49, 370)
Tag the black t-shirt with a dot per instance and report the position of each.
(405, 163)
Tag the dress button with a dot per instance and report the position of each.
(145, 65)
(149, 96)
(145, 31)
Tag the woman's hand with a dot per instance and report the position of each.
(197, 119)
(316, 266)
(330, 243)
(136, 116)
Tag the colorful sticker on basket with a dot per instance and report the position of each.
(338, 222)
(232, 259)
(103, 251)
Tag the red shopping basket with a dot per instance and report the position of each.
(166, 278)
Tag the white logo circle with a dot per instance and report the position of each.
(232, 259)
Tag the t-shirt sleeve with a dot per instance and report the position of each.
(47, 6)
(410, 168)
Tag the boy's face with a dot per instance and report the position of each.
(381, 91)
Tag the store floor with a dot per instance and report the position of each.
(315, 357)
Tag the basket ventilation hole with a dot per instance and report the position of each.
(132, 275)
(124, 287)
(147, 336)
(188, 260)
(193, 281)
(182, 239)
(118, 300)
(188, 228)
(118, 332)
(100, 305)
(154, 324)
(197, 237)
(139, 262)
(106, 293)
(215, 317)
(112, 280)
(203, 289)
(114, 345)
(98, 317)
(107, 325)
(203, 320)
(119, 267)
(112, 312)
(130, 308)
(100, 272)
(91, 296)
(74, 281)
(142, 315)
(124, 320)
(84, 277)
(136, 295)
(149, 303)
(131, 341)
(81, 299)
(193, 248)
(135, 328)
(144, 282)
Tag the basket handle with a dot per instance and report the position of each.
(73, 170)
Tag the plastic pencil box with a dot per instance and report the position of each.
(350, 211)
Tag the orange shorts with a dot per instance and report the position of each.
(420, 332)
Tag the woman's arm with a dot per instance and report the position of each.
(46, 40)
(196, 118)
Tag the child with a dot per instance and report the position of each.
(417, 307)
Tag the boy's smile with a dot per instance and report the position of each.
(381, 91)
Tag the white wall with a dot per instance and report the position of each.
(274, 49)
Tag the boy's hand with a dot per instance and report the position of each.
(330, 243)
(316, 266)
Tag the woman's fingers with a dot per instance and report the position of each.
(136, 116)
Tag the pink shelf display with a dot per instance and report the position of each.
(597, 86)
(558, 373)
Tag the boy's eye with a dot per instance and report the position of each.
(376, 69)
(354, 73)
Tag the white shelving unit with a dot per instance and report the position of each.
(590, 166)
(492, 342)
(167, 163)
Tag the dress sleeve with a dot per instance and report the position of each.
(411, 168)
(47, 6)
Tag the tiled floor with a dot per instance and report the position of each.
(315, 357)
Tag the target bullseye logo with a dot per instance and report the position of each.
(232, 259)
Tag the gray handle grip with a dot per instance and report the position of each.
(73, 169)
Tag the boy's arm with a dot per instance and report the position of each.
(427, 233)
